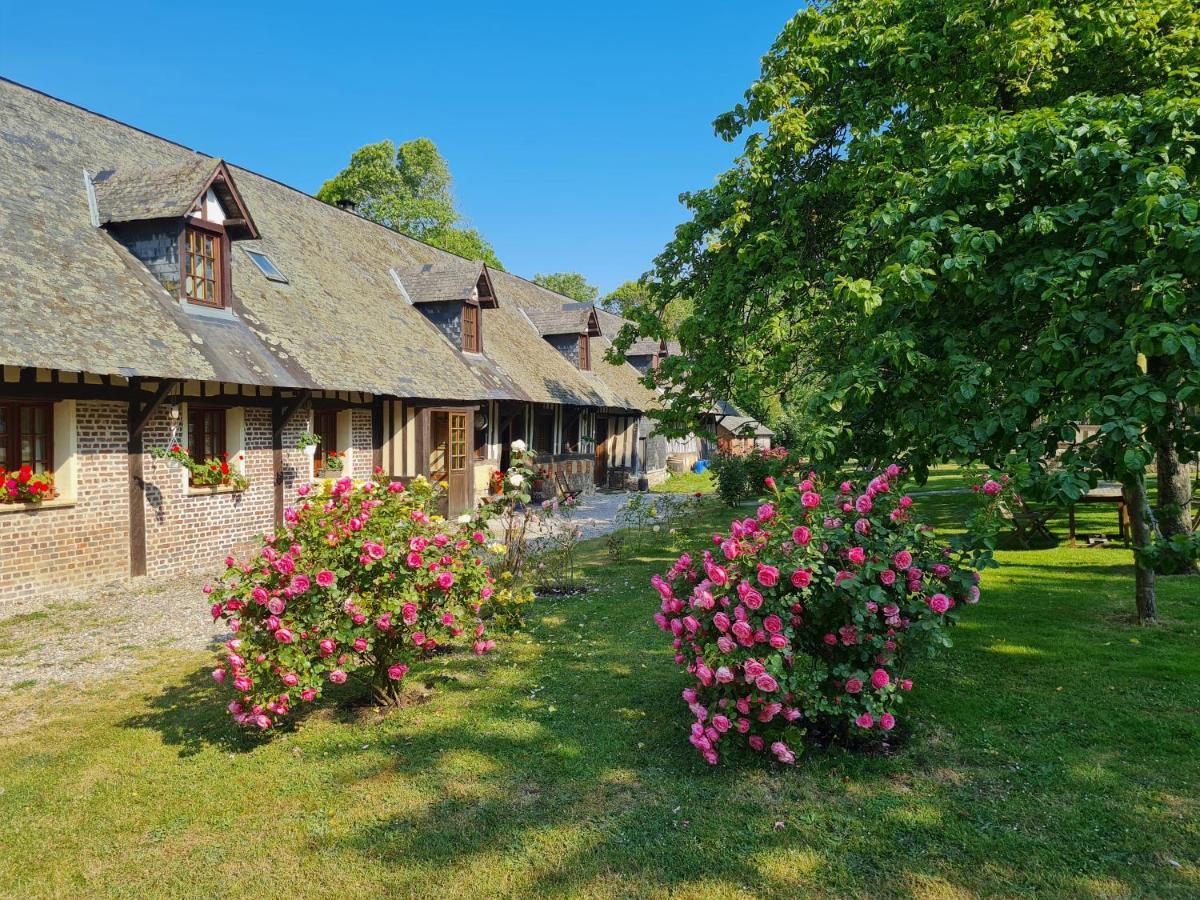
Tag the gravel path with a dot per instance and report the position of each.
(88, 635)
(91, 634)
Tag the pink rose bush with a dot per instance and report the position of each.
(806, 615)
(362, 579)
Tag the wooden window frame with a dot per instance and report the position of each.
(195, 414)
(222, 280)
(12, 440)
(472, 342)
(585, 353)
(457, 454)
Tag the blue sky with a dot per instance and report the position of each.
(570, 129)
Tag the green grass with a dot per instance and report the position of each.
(1053, 752)
(687, 483)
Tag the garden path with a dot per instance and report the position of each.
(85, 636)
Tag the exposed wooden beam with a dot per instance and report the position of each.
(285, 412)
(139, 413)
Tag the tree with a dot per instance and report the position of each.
(634, 294)
(628, 295)
(408, 189)
(569, 284)
(965, 223)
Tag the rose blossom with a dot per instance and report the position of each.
(337, 676)
(853, 685)
(326, 578)
(768, 576)
(887, 721)
(880, 679)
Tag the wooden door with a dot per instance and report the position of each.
(601, 469)
(459, 468)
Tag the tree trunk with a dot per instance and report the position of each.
(1138, 503)
(1174, 507)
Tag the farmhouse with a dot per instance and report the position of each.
(174, 326)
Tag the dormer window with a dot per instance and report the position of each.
(470, 328)
(203, 261)
(179, 222)
(451, 296)
(585, 353)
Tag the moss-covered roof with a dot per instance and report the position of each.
(76, 300)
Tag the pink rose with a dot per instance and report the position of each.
(308, 694)
(756, 742)
(801, 578)
(291, 679)
(445, 580)
(782, 753)
(939, 603)
(300, 584)
(326, 578)
(801, 536)
(768, 576)
(857, 555)
(888, 577)
(864, 721)
(283, 636)
(902, 559)
(810, 499)
(887, 721)
(218, 675)
(360, 644)
(906, 684)
(766, 683)
(418, 637)
(326, 647)
(853, 685)
(337, 676)
(397, 671)
(880, 679)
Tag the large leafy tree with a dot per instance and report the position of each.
(966, 227)
(569, 284)
(408, 189)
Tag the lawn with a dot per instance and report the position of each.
(1052, 752)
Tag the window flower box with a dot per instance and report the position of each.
(212, 473)
(24, 486)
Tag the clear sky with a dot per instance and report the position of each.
(570, 128)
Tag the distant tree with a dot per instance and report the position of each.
(627, 295)
(570, 284)
(408, 189)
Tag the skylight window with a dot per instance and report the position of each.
(267, 267)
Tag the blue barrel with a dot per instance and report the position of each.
(701, 466)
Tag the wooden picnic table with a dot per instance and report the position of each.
(1104, 492)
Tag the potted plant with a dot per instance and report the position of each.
(334, 463)
(308, 443)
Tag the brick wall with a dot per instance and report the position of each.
(49, 549)
(186, 531)
(361, 460)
